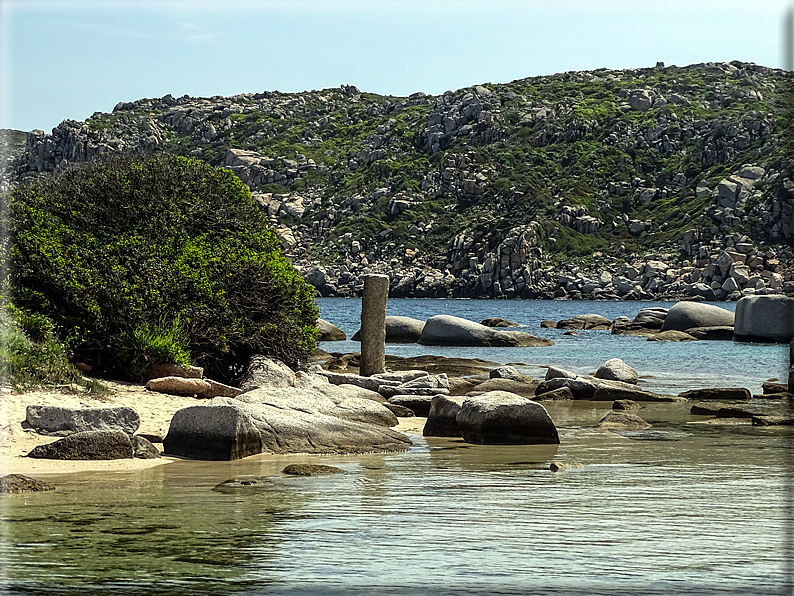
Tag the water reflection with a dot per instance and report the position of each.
(159, 530)
(703, 514)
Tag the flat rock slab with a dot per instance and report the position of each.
(725, 421)
(646, 435)
(630, 392)
(706, 408)
(672, 335)
(311, 470)
(719, 394)
(454, 367)
(219, 390)
(92, 445)
(157, 371)
(625, 404)
(373, 383)
(623, 421)
(17, 483)
(773, 420)
(716, 333)
(60, 421)
(178, 386)
(525, 389)
(559, 394)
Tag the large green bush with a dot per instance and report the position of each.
(121, 249)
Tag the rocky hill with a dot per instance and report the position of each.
(654, 182)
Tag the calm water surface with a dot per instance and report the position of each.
(685, 508)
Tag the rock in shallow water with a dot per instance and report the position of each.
(446, 330)
(442, 416)
(501, 418)
(617, 370)
(311, 470)
(685, 315)
(17, 483)
(623, 421)
(765, 318)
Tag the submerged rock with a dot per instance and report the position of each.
(625, 404)
(773, 420)
(623, 421)
(559, 466)
(18, 483)
(721, 394)
(719, 333)
(672, 336)
(311, 470)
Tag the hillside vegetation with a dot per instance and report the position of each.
(495, 189)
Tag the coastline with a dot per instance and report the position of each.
(155, 410)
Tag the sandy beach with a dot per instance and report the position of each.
(155, 410)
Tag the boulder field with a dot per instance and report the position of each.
(319, 411)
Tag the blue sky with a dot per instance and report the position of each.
(66, 59)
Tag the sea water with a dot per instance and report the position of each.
(668, 367)
(684, 508)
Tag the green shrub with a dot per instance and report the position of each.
(156, 343)
(27, 362)
(124, 245)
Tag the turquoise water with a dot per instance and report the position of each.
(686, 508)
(674, 366)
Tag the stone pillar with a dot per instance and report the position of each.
(373, 324)
(791, 366)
